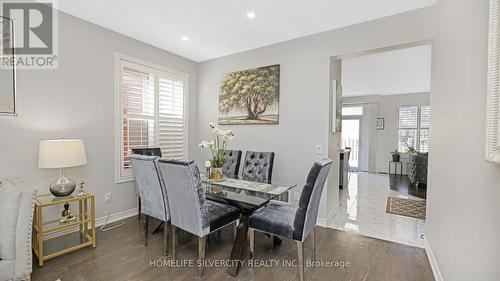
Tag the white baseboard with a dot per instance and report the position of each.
(99, 222)
(432, 261)
(325, 222)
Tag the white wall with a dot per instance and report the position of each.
(387, 139)
(400, 71)
(463, 216)
(77, 101)
(304, 92)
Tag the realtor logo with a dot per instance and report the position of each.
(30, 29)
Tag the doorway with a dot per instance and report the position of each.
(351, 129)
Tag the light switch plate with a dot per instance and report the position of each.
(319, 149)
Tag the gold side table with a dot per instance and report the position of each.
(52, 238)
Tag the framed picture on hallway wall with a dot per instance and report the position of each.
(250, 97)
(380, 123)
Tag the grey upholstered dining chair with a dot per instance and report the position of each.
(151, 151)
(232, 167)
(152, 191)
(190, 211)
(258, 166)
(294, 223)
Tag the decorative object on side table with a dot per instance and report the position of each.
(396, 156)
(217, 148)
(60, 154)
(66, 215)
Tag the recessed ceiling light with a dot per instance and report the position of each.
(185, 38)
(251, 15)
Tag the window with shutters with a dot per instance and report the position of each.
(151, 112)
(413, 127)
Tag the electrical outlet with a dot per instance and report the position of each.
(319, 149)
(107, 197)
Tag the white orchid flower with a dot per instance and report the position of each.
(204, 144)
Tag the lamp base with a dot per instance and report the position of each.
(62, 186)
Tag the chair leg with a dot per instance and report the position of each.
(251, 233)
(201, 254)
(314, 243)
(235, 229)
(300, 254)
(165, 238)
(140, 207)
(146, 230)
(173, 237)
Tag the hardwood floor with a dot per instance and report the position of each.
(401, 183)
(121, 255)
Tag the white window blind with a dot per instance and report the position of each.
(493, 101)
(152, 113)
(425, 122)
(408, 127)
(413, 127)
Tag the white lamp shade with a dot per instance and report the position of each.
(61, 154)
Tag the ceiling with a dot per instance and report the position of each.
(402, 71)
(219, 28)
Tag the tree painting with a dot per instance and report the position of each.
(250, 96)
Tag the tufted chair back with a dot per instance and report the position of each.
(307, 212)
(153, 151)
(258, 166)
(232, 167)
(187, 196)
(151, 187)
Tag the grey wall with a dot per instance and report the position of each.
(463, 220)
(77, 101)
(387, 139)
(304, 97)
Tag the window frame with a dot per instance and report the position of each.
(418, 128)
(492, 147)
(122, 60)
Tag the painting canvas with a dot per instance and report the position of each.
(250, 97)
(7, 72)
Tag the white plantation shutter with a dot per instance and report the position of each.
(171, 117)
(413, 127)
(138, 111)
(493, 101)
(152, 113)
(408, 127)
(425, 122)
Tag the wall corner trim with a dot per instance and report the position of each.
(325, 222)
(432, 261)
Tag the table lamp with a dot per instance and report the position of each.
(60, 154)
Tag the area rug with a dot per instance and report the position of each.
(406, 207)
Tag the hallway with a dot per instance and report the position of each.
(363, 211)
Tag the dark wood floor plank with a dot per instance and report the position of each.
(121, 255)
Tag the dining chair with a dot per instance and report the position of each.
(294, 223)
(152, 191)
(190, 211)
(258, 166)
(232, 167)
(152, 151)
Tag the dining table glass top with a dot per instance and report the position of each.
(243, 192)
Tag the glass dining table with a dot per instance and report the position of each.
(248, 196)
